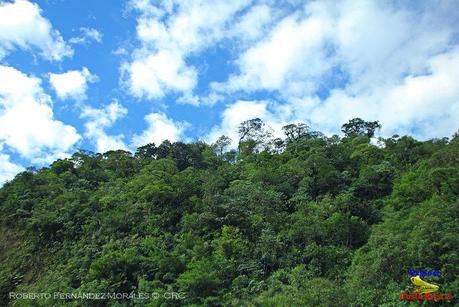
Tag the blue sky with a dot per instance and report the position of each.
(104, 75)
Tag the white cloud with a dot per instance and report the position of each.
(301, 51)
(394, 42)
(254, 23)
(196, 100)
(101, 119)
(151, 75)
(87, 35)
(290, 59)
(160, 128)
(27, 124)
(425, 105)
(23, 26)
(333, 61)
(72, 84)
(8, 169)
(192, 26)
(169, 33)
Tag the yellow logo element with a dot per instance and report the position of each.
(423, 286)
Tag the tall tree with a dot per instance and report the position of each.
(147, 151)
(221, 144)
(295, 132)
(256, 133)
(359, 127)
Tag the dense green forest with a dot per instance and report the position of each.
(308, 220)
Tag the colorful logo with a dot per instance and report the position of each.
(424, 290)
(423, 286)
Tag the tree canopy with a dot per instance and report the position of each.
(305, 220)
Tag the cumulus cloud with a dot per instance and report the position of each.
(101, 119)
(160, 128)
(372, 42)
(87, 35)
(425, 104)
(151, 75)
(290, 58)
(72, 84)
(23, 26)
(331, 61)
(27, 123)
(169, 33)
(8, 169)
(253, 24)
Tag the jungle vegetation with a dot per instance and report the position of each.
(304, 220)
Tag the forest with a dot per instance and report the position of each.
(303, 220)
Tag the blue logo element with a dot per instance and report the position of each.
(423, 273)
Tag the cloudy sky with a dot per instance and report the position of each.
(111, 74)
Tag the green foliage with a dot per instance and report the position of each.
(358, 126)
(308, 220)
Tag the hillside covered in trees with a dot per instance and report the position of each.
(307, 220)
